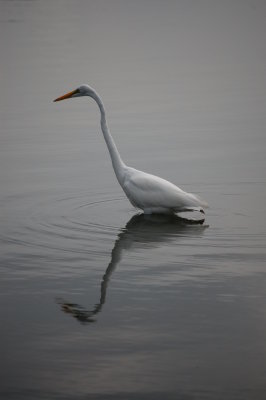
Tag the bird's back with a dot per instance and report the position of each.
(154, 194)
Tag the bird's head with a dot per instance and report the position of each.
(83, 90)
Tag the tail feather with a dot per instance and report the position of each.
(200, 202)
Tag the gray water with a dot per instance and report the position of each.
(96, 301)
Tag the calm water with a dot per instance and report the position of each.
(96, 301)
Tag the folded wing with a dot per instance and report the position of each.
(148, 191)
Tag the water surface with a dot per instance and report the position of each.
(98, 302)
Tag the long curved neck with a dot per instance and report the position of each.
(117, 162)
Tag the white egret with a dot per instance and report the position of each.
(147, 192)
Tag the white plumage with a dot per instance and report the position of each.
(145, 191)
(156, 195)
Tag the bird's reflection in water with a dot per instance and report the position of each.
(141, 231)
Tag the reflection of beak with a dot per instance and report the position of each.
(67, 95)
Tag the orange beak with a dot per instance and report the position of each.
(67, 95)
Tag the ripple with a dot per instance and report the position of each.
(74, 223)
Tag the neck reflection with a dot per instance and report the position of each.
(141, 232)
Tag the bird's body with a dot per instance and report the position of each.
(145, 191)
(156, 195)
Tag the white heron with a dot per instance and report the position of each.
(147, 192)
